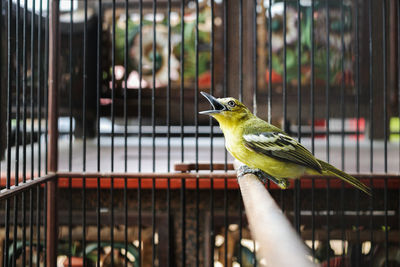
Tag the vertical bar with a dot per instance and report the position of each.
(153, 91)
(225, 62)
(255, 58)
(212, 243)
(371, 119)
(32, 132)
(53, 134)
(183, 222)
(39, 107)
(327, 92)
(99, 85)
(398, 60)
(212, 234)
(112, 130)
(9, 106)
(126, 135)
(24, 104)
(357, 195)
(196, 86)
(182, 89)
(297, 182)
(284, 93)
(342, 133)
(71, 74)
(255, 81)
(284, 89)
(85, 36)
(398, 90)
(46, 86)
(226, 225)
(240, 67)
(38, 209)
(385, 126)
(70, 147)
(196, 122)
(140, 87)
(225, 93)
(46, 102)
(17, 89)
(1, 56)
(30, 227)
(139, 192)
(169, 221)
(327, 87)
(126, 88)
(168, 112)
(312, 79)
(44, 224)
(342, 85)
(153, 220)
(270, 61)
(240, 99)
(312, 129)
(39, 89)
(153, 134)
(70, 222)
(32, 89)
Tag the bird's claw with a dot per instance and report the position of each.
(243, 170)
(283, 183)
(263, 176)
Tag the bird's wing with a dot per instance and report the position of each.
(280, 146)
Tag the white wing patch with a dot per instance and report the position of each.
(260, 138)
(269, 142)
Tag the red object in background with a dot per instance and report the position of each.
(205, 80)
(361, 128)
(75, 262)
(320, 123)
(336, 262)
(275, 77)
(348, 78)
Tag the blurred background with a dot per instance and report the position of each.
(131, 141)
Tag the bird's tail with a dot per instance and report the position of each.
(345, 177)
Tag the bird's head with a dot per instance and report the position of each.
(226, 110)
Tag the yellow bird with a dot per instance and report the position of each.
(266, 150)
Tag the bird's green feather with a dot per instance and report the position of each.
(280, 146)
(345, 177)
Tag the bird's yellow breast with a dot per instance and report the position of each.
(235, 144)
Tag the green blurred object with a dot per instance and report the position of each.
(162, 44)
(394, 129)
(92, 248)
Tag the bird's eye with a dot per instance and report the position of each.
(232, 103)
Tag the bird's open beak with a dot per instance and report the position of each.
(216, 105)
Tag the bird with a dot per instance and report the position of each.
(266, 150)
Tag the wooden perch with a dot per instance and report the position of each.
(277, 241)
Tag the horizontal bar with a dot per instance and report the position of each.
(379, 235)
(187, 167)
(218, 178)
(147, 175)
(175, 179)
(14, 190)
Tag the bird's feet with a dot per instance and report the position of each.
(244, 169)
(263, 176)
(283, 183)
